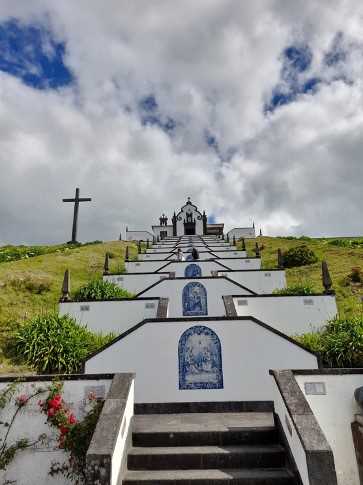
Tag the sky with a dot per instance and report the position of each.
(252, 109)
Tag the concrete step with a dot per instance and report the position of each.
(199, 457)
(277, 476)
(204, 407)
(203, 429)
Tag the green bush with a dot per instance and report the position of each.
(340, 343)
(101, 290)
(305, 289)
(347, 243)
(311, 341)
(299, 256)
(52, 343)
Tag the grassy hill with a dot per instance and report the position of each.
(32, 285)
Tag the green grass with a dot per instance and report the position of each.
(33, 285)
(340, 260)
(20, 281)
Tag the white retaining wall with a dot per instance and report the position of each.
(31, 466)
(145, 266)
(248, 352)
(216, 288)
(206, 267)
(139, 236)
(335, 413)
(110, 316)
(134, 283)
(241, 263)
(292, 315)
(258, 281)
(229, 254)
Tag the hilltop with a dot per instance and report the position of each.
(32, 285)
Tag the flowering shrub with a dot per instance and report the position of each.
(74, 436)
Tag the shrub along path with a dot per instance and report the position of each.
(32, 286)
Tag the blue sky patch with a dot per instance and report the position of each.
(296, 62)
(150, 114)
(30, 53)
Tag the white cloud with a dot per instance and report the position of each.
(211, 66)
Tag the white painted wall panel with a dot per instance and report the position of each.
(139, 236)
(145, 266)
(248, 352)
(179, 267)
(258, 281)
(216, 289)
(335, 413)
(241, 263)
(230, 254)
(292, 315)
(134, 283)
(110, 316)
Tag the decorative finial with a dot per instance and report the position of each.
(227, 238)
(147, 244)
(139, 246)
(327, 282)
(243, 244)
(127, 253)
(106, 267)
(66, 287)
(120, 237)
(280, 259)
(257, 250)
(260, 232)
(234, 240)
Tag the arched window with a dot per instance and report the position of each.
(200, 359)
(192, 271)
(194, 299)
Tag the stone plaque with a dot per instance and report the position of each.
(315, 388)
(308, 301)
(84, 308)
(268, 274)
(120, 278)
(242, 302)
(149, 305)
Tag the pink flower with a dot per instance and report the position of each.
(56, 402)
(51, 412)
(21, 400)
(63, 430)
(72, 419)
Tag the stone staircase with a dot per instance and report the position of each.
(197, 448)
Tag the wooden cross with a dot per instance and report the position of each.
(77, 199)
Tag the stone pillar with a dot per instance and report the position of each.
(127, 253)
(326, 279)
(106, 267)
(66, 287)
(280, 259)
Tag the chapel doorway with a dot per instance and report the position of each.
(189, 228)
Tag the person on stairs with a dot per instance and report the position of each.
(195, 254)
(180, 255)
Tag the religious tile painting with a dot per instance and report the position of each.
(200, 359)
(192, 271)
(194, 300)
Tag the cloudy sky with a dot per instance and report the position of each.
(254, 109)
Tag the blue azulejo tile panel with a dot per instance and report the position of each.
(192, 271)
(200, 359)
(194, 299)
(189, 258)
